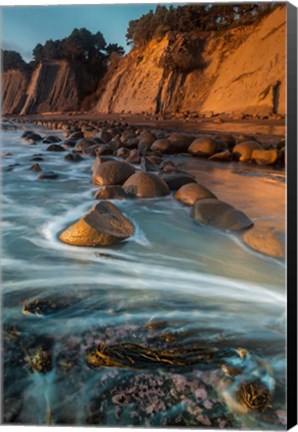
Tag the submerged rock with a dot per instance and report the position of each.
(47, 175)
(35, 167)
(111, 172)
(55, 148)
(73, 157)
(51, 139)
(192, 192)
(266, 240)
(103, 225)
(146, 185)
(220, 215)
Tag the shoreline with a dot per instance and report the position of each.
(265, 128)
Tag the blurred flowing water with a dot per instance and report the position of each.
(198, 284)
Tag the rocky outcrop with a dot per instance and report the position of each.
(241, 71)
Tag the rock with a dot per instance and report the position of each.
(104, 149)
(73, 157)
(210, 211)
(192, 192)
(122, 152)
(224, 155)
(146, 185)
(180, 143)
(31, 136)
(104, 136)
(47, 175)
(89, 133)
(133, 157)
(68, 144)
(266, 157)
(110, 192)
(103, 225)
(51, 139)
(37, 159)
(76, 136)
(243, 151)
(55, 148)
(162, 145)
(243, 138)
(111, 173)
(84, 143)
(35, 167)
(147, 165)
(175, 181)
(145, 143)
(281, 144)
(266, 240)
(204, 147)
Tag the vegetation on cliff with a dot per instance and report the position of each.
(193, 18)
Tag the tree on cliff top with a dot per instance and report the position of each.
(80, 46)
(193, 18)
(12, 60)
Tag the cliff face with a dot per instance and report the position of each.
(241, 71)
(51, 87)
(14, 88)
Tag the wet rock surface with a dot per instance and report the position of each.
(146, 185)
(218, 214)
(103, 225)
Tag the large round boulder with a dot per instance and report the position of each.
(220, 215)
(243, 151)
(191, 192)
(176, 180)
(162, 145)
(180, 142)
(146, 185)
(103, 225)
(266, 240)
(204, 147)
(111, 172)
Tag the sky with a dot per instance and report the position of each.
(23, 27)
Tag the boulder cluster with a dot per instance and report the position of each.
(135, 162)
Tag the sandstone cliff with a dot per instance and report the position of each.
(241, 71)
(51, 87)
(14, 89)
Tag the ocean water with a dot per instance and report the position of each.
(172, 285)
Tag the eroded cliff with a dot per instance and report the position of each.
(240, 71)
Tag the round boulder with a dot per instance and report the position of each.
(192, 192)
(162, 145)
(220, 215)
(110, 192)
(146, 185)
(204, 147)
(103, 225)
(266, 157)
(266, 240)
(243, 151)
(176, 180)
(111, 173)
(55, 148)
